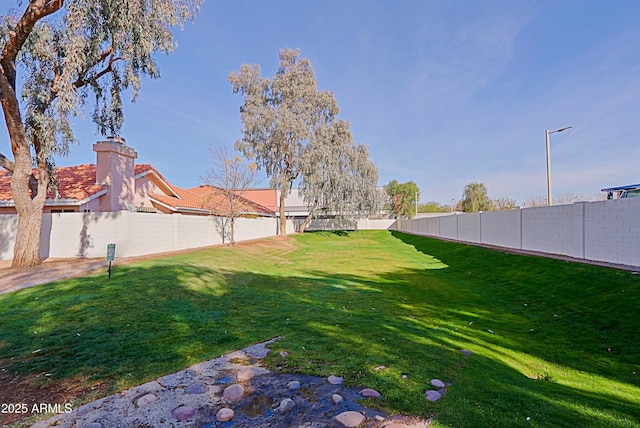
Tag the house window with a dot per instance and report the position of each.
(68, 210)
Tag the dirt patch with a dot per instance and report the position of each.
(276, 242)
(29, 397)
(49, 271)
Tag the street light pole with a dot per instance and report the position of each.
(547, 133)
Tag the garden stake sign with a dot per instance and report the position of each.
(111, 254)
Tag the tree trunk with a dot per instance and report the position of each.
(26, 252)
(29, 194)
(307, 221)
(283, 220)
(233, 231)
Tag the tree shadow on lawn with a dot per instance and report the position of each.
(432, 322)
(568, 324)
(590, 309)
(157, 318)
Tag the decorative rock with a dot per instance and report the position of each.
(146, 399)
(370, 393)
(286, 405)
(196, 388)
(284, 353)
(225, 414)
(334, 380)
(293, 385)
(183, 413)
(350, 419)
(245, 374)
(379, 368)
(433, 395)
(337, 398)
(404, 376)
(233, 393)
(225, 380)
(437, 383)
(466, 353)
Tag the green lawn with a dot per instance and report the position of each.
(346, 303)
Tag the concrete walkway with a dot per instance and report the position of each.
(49, 271)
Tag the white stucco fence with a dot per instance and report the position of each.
(605, 231)
(71, 235)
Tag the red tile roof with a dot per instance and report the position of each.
(79, 183)
(208, 198)
(74, 182)
(265, 197)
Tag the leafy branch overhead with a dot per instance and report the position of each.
(65, 53)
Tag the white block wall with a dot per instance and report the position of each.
(71, 235)
(556, 229)
(359, 224)
(375, 224)
(612, 230)
(449, 226)
(8, 228)
(433, 225)
(501, 228)
(469, 227)
(607, 231)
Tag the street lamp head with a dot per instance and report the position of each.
(560, 130)
(547, 133)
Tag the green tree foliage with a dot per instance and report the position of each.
(286, 119)
(64, 53)
(475, 198)
(402, 198)
(338, 179)
(498, 204)
(433, 207)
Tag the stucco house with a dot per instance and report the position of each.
(117, 183)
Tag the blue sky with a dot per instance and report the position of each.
(443, 92)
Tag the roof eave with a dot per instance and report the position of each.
(61, 202)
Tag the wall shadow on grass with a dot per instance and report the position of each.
(156, 318)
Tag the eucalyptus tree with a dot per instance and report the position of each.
(280, 116)
(61, 53)
(338, 179)
(475, 198)
(402, 198)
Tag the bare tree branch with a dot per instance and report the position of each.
(6, 163)
(36, 10)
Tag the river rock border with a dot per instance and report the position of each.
(233, 391)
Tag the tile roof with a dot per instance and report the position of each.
(79, 183)
(74, 182)
(208, 198)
